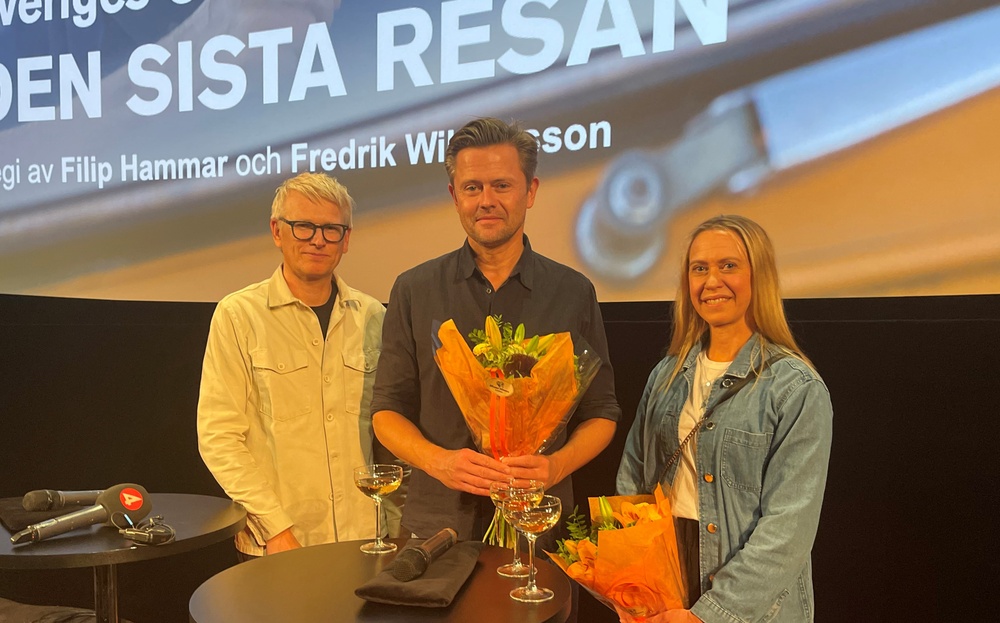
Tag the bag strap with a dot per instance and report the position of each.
(732, 391)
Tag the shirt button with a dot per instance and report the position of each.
(326, 379)
(329, 417)
(315, 341)
(712, 528)
(281, 366)
(710, 426)
(489, 290)
(727, 383)
(709, 478)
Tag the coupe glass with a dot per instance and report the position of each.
(533, 520)
(525, 491)
(376, 481)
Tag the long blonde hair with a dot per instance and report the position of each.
(766, 313)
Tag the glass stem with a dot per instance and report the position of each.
(531, 588)
(517, 553)
(378, 522)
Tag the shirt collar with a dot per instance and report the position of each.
(748, 357)
(524, 270)
(279, 294)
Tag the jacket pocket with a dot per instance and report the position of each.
(282, 380)
(359, 379)
(743, 457)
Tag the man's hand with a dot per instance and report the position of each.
(468, 470)
(538, 467)
(282, 542)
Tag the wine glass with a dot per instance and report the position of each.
(526, 491)
(376, 481)
(533, 520)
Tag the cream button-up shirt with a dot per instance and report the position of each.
(283, 414)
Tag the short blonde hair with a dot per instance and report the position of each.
(317, 187)
(766, 312)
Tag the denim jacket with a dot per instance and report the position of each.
(762, 459)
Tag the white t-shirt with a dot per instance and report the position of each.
(684, 492)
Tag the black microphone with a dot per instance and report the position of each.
(118, 505)
(412, 562)
(49, 500)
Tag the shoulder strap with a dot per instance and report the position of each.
(732, 391)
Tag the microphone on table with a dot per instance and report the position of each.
(125, 504)
(412, 562)
(49, 500)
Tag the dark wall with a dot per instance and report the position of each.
(98, 392)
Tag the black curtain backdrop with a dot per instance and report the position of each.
(94, 393)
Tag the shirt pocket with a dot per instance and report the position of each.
(282, 380)
(359, 380)
(743, 457)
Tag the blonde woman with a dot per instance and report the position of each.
(738, 425)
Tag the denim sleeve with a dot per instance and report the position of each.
(749, 585)
(635, 461)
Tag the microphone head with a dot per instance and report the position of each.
(41, 500)
(125, 499)
(410, 564)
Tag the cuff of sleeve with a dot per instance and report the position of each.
(265, 527)
(711, 612)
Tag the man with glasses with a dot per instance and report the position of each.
(283, 415)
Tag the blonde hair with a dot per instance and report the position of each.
(766, 312)
(317, 187)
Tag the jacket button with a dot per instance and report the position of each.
(712, 528)
(711, 577)
(710, 426)
(727, 383)
(709, 478)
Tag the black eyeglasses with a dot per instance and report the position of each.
(304, 230)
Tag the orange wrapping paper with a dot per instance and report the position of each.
(537, 406)
(635, 568)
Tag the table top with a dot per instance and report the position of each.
(198, 521)
(317, 584)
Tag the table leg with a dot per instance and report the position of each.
(106, 593)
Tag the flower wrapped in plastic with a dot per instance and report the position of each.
(627, 558)
(515, 393)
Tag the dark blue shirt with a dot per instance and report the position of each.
(546, 296)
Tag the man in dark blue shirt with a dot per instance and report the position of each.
(491, 166)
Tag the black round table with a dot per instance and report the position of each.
(316, 584)
(198, 520)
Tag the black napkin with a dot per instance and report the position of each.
(15, 518)
(436, 588)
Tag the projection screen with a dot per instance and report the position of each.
(141, 141)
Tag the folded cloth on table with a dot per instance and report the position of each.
(436, 588)
(15, 518)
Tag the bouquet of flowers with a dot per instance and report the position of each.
(628, 557)
(516, 393)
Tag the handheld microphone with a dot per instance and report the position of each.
(412, 562)
(49, 500)
(125, 503)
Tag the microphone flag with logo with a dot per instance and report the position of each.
(120, 506)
